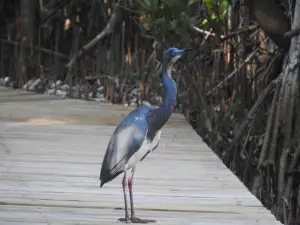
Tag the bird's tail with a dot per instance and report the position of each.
(102, 183)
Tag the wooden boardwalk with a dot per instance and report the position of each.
(50, 157)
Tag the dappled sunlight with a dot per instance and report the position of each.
(43, 121)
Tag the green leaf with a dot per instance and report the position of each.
(190, 2)
(213, 16)
(147, 5)
(209, 3)
(224, 4)
(204, 21)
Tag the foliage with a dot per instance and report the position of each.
(163, 19)
(170, 19)
(216, 10)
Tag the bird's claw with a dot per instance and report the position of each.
(138, 220)
(135, 220)
(124, 220)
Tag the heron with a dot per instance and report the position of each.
(138, 134)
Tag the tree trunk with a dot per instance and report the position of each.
(27, 35)
(272, 19)
(284, 141)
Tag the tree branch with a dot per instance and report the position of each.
(205, 32)
(239, 31)
(59, 6)
(232, 74)
(228, 154)
(292, 33)
(48, 51)
(105, 32)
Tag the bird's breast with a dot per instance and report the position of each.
(149, 144)
(138, 155)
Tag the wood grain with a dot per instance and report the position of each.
(49, 171)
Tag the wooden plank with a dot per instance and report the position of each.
(49, 172)
(75, 216)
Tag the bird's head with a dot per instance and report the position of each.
(173, 54)
(170, 56)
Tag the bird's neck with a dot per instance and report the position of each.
(170, 91)
(160, 116)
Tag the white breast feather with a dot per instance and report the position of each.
(155, 140)
(146, 146)
(138, 155)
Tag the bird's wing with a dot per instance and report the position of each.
(125, 141)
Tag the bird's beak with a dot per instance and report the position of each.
(189, 49)
(179, 53)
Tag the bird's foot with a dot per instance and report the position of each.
(135, 220)
(138, 220)
(126, 220)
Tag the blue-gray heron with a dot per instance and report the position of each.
(138, 134)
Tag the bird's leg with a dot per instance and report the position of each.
(134, 219)
(130, 193)
(124, 184)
